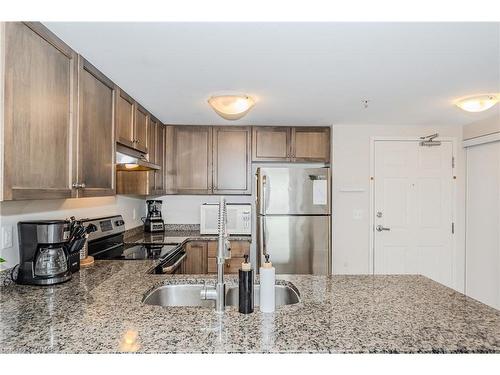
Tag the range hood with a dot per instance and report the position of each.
(132, 160)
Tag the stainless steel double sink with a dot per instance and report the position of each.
(190, 295)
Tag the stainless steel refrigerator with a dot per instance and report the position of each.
(294, 219)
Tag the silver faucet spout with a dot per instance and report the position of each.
(223, 252)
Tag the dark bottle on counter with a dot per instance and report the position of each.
(246, 287)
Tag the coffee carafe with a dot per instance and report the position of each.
(43, 251)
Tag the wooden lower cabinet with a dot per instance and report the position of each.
(238, 251)
(196, 259)
(202, 257)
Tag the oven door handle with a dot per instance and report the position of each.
(173, 267)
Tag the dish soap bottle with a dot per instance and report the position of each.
(267, 281)
(246, 287)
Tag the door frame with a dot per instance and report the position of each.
(454, 203)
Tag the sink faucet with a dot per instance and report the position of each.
(218, 293)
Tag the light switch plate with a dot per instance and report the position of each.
(7, 237)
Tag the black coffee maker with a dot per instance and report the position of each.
(44, 252)
(154, 221)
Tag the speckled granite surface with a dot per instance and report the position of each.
(186, 234)
(101, 310)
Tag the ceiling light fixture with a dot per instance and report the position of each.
(477, 103)
(231, 107)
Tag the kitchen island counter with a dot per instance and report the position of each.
(168, 237)
(101, 311)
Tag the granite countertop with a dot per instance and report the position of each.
(101, 310)
(190, 233)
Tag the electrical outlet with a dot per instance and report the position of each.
(134, 214)
(357, 214)
(7, 237)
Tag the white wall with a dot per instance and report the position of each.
(132, 210)
(351, 169)
(485, 126)
(185, 209)
(483, 223)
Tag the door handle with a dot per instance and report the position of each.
(380, 228)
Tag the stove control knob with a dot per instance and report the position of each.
(119, 223)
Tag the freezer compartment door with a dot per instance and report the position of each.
(293, 191)
(296, 244)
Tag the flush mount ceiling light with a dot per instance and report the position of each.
(231, 107)
(477, 103)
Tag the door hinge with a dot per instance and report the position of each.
(452, 228)
(453, 162)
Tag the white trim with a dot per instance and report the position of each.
(454, 208)
(495, 137)
(412, 139)
(2, 104)
(371, 263)
(332, 201)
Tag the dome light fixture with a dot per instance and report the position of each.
(231, 107)
(477, 103)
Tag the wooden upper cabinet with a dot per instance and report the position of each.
(296, 144)
(132, 122)
(192, 159)
(311, 144)
(270, 143)
(124, 119)
(152, 139)
(156, 148)
(95, 132)
(160, 159)
(39, 113)
(141, 128)
(169, 167)
(231, 160)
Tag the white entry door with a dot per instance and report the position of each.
(413, 210)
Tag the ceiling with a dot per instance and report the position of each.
(300, 73)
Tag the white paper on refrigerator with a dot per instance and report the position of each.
(320, 192)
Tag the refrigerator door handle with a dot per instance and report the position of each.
(264, 250)
(264, 182)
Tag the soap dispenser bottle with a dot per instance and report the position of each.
(267, 281)
(246, 287)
